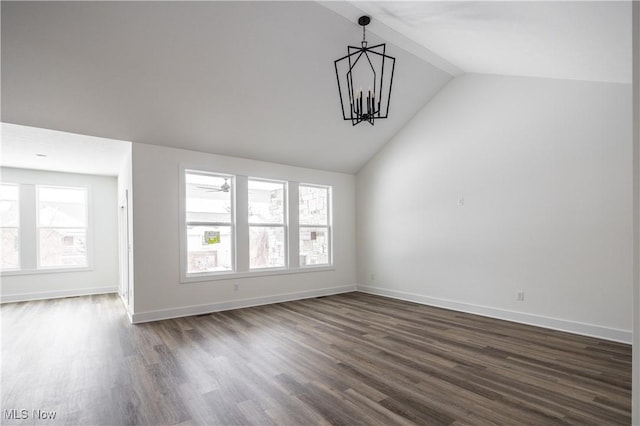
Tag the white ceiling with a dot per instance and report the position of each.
(578, 40)
(256, 79)
(41, 149)
(246, 79)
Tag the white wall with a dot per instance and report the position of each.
(544, 169)
(103, 274)
(125, 230)
(156, 225)
(636, 213)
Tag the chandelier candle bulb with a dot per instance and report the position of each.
(364, 66)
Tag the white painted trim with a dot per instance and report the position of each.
(140, 317)
(52, 270)
(25, 297)
(126, 307)
(592, 330)
(209, 276)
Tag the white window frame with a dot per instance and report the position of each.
(87, 229)
(328, 226)
(240, 228)
(284, 224)
(201, 276)
(18, 228)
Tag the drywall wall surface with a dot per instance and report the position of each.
(159, 292)
(502, 185)
(102, 274)
(125, 230)
(636, 214)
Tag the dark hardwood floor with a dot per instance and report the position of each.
(347, 359)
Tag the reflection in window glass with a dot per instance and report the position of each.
(9, 208)
(208, 198)
(267, 224)
(209, 222)
(315, 229)
(10, 226)
(62, 227)
(62, 207)
(266, 202)
(209, 249)
(314, 246)
(10, 248)
(267, 247)
(314, 205)
(66, 247)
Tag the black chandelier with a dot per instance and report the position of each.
(364, 68)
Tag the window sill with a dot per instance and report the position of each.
(219, 276)
(44, 271)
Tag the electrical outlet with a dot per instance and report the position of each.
(236, 287)
(461, 201)
(373, 277)
(520, 296)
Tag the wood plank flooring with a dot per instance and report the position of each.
(349, 359)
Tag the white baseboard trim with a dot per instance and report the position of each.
(614, 334)
(186, 311)
(126, 307)
(56, 294)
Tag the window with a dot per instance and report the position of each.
(209, 222)
(62, 227)
(235, 226)
(44, 227)
(267, 224)
(315, 225)
(10, 222)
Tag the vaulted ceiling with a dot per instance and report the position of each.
(256, 79)
(576, 40)
(247, 79)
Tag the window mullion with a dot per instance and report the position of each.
(242, 224)
(294, 225)
(209, 224)
(28, 227)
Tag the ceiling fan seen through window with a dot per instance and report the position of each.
(225, 187)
